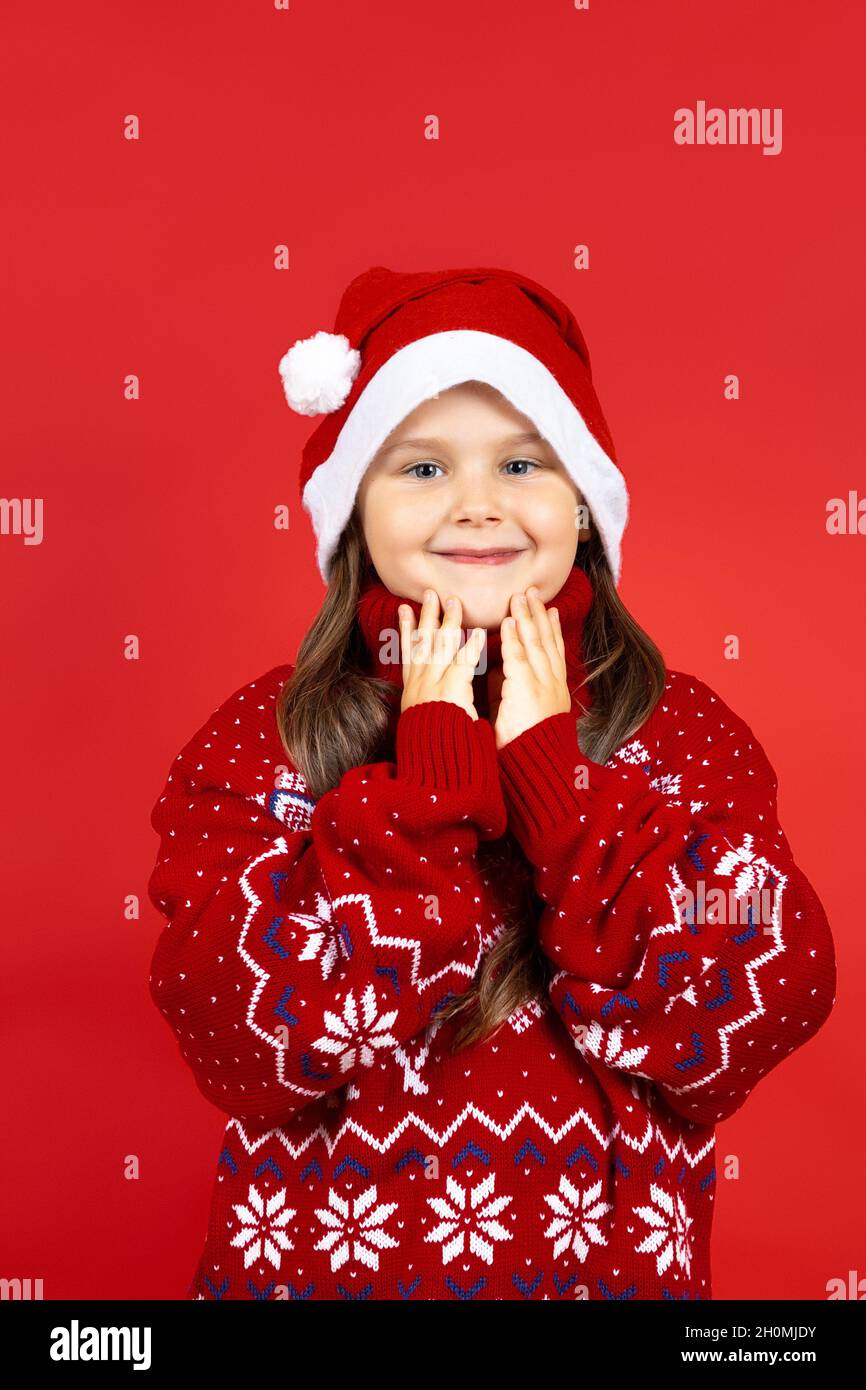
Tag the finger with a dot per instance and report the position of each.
(411, 639)
(557, 629)
(545, 627)
(472, 648)
(512, 647)
(537, 657)
(407, 626)
(542, 620)
(429, 616)
(449, 634)
(424, 636)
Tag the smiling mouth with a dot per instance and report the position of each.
(479, 557)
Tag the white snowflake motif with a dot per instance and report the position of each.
(754, 872)
(575, 1225)
(353, 1041)
(479, 1223)
(262, 1230)
(669, 1237)
(412, 1057)
(668, 784)
(322, 939)
(633, 752)
(359, 1235)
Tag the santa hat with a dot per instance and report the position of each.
(400, 338)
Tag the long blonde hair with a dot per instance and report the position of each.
(333, 715)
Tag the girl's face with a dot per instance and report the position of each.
(467, 472)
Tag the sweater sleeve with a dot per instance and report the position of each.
(691, 949)
(306, 940)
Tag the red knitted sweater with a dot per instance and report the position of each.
(309, 944)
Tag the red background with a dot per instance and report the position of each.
(155, 257)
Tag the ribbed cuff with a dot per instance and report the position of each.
(542, 779)
(440, 746)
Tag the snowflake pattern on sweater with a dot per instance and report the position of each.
(308, 946)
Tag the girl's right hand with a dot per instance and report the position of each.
(435, 666)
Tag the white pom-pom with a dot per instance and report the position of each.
(318, 372)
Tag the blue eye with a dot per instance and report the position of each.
(425, 463)
(531, 463)
(428, 463)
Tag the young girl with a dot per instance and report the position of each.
(479, 918)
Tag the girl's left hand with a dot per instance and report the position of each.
(535, 682)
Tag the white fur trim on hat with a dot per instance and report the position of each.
(318, 372)
(432, 364)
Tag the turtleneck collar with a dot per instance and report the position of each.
(378, 620)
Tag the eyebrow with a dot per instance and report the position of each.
(530, 437)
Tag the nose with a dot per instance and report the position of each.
(478, 501)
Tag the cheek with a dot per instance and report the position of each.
(394, 518)
(551, 518)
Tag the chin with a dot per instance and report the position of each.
(484, 593)
(487, 612)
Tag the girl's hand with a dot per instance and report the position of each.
(435, 666)
(535, 682)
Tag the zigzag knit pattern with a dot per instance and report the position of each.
(309, 945)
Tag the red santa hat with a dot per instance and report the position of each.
(401, 338)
